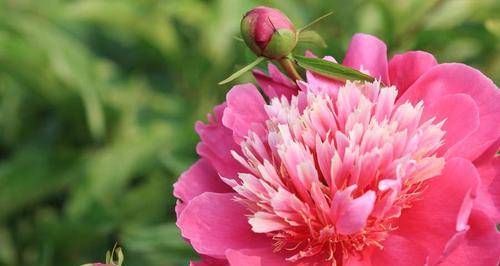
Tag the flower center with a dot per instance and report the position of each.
(331, 173)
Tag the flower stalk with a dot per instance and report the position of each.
(289, 67)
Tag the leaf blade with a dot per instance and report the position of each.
(331, 70)
(240, 72)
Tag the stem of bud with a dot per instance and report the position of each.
(289, 67)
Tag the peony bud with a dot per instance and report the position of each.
(268, 32)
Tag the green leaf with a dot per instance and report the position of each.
(312, 37)
(242, 71)
(331, 70)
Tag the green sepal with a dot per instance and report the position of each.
(115, 253)
(109, 259)
(119, 256)
(331, 70)
(242, 71)
(282, 43)
(312, 37)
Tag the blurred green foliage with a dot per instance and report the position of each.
(98, 100)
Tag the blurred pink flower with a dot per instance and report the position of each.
(98, 264)
(355, 173)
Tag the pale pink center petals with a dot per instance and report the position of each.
(330, 175)
(353, 216)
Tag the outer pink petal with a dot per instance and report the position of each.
(488, 199)
(216, 145)
(448, 79)
(266, 257)
(199, 178)
(369, 53)
(214, 223)
(461, 116)
(209, 261)
(245, 111)
(441, 212)
(481, 245)
(238, 258)
(489, 153)
(405, 69)
(276, 84)
(399, 251)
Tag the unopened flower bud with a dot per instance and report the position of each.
(268, 32)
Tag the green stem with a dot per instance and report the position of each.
(290, 69)
(316, 21)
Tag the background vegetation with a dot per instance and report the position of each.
(98, 99)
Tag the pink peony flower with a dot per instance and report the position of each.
(355, 173)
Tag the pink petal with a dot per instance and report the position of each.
(217, 143)
(276, 84)
(369, 53)
(263, 222)
(214, 222)
(461, 116)
(209, 261)
(434, 219)
(245, 111)
(199, 178)
(489, 153)
(405, 69)
(255, 257)
(480, 246)
(448, 79)
(350, 214)
(488, 199)
(399, 251)
(353, 219)
(237, 258)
